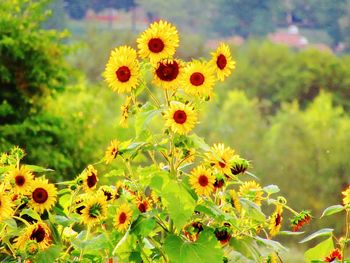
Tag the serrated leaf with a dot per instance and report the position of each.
(206, 249)
(332, 210)
(31, 213)
(271, 189)
(319, 233)
(320, 251)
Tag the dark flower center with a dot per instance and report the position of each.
(222, 164)
(123, 74)
(108, 195)
(20, 180)
(222, 235)
(122, 218)
(79, 209)
(180, 116)
(114, 152)
(219, 183)
(221, 61)
(40, 195)
(156, 45)
(167, 71)
(38, 234)
(142, 207)
(197, 79)
(91, 180)
(278, 220)
(203, 180)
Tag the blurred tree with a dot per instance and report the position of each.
(76, 9)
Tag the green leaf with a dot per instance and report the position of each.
(290, 233)
(274, 245)
(246, 246)
(143, 226)
(205, 250)
(271, 189)
(319, 233)
(332, 210)
(319, 251)
(253, 210)
(48, 255)
(38, 169)
(31, 213)
(199, 142)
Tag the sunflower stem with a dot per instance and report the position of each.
(346, 236)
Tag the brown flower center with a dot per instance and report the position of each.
(197, 79)
(167, 71)
(38, 234)
(122, 218)
(278, 220)
(222, 164)
(221, 61)
(91, 180)
(123, 74)
(40, 195)
(142, 207)
(20, 180)
(203, 180)
(156, 45)
(180, 116)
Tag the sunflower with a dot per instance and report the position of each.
(198, 78)
(107, 191)
(123, 217)
(42, 195)
(122, 72)
(6, 205)
(219, 157)
(202, 180)
(333, 255)
(143, 204)
(112, 151)
(89, 179)
(39, 232)
(222, 61)
(159, 41)
(251, 190)
(125, 113)
(168, 73)
(234, 200)
(180, 118)
(21, 179)
(276, 221)
(346, 194)
(95, 209)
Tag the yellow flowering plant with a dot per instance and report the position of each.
(172, 198)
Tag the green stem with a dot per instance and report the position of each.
(346, 236)
(86, 238)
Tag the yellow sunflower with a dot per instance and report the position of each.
(346, 194)
(180, 118)
(122, 72)
(125, 115)
(108, 192)
(39, 232)
(222, 61)
(251, 190)
(143, 204)
(276, 221)
(202, 180)
(168, 73)
(42, 195)
(234, 200)
(89, 179)
(123, 217)
(112, 151)
(159, 41)
(6, 205)
(21, 179)
(198, 78)
(219, 157)
(95, 209)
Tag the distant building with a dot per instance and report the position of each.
(291, 38)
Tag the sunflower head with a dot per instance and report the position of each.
(95, 209)
(107, 191)
(238, 165)
(89, 179)
(180, 118)
(42, 195)
(6, 204)
(112, 151)
(234, 200)
(122, 72)
(202, 180)
(276, 220)
(32, 248)
(123, 217)
(198, 78)
(251, 190)
(222, 62)
(168, 73)
(20, 179)
(143, 204)
(333, 255)
(192, 230)
(223, 234)
(346, 198)
(303, 218)
(220, 158)
(159, 41)
(39, 233)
